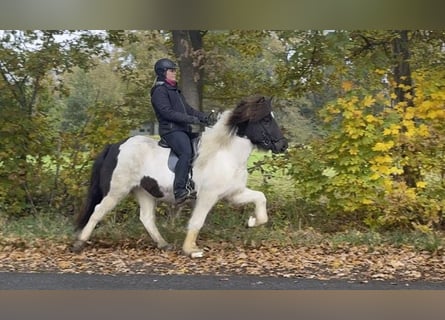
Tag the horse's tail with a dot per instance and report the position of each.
(95, 192)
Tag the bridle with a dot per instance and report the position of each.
(266, 141)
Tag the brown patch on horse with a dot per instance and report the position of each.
(253, 109)
(152, 187)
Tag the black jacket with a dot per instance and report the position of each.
(171, 109)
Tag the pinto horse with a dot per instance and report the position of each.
(139, 165)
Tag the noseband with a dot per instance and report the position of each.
(267, 141)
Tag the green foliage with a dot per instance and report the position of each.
(31, 64)
(26, 140)
(134, 63)
(297, 127)
(239, 63)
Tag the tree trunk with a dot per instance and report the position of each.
(402, 76)
(187, 46)
(402, 70)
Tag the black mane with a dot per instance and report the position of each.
(250, 109)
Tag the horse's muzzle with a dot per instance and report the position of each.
(279, 146)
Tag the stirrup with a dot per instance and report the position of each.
(187, 196)
(190, 186)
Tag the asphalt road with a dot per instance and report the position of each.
(54, 281)
(91, 296)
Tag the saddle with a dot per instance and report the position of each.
(173, 157)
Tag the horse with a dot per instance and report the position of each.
(138, 165)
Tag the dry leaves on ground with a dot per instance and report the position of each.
(357, 263)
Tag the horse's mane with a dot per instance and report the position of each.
(252, 108)
(215, 138)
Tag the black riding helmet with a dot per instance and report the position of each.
(162, 65)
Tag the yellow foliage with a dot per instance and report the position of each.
(381, 168)
(384, 169)
(332, 109)
(423, 131)
(426, 229)
(408, 96)
(353, 151)
(380, 71)
(393, 129)
(409, 113)
(368, 147)
(404, 87)
(410, 193)
(395, 170)
(353, 132)
(439, 95)
(388, 184)
(371, 119)
(375, 176)
(383, 146)
(436, 114)
(383, 159)
(347, 85)
(347, 114)
(368, 101)
(410, 128)
(421, 184)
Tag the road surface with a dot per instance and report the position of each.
(91, 296)
(66, 281)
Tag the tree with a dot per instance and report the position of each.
(188, 49)
(31, 63)
(137, 56)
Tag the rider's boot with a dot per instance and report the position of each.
(183, 195)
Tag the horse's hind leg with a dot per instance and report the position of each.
(147, 216)
(258, 198)
(106, 205)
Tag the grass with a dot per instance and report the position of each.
(59, 229)
(49, 226)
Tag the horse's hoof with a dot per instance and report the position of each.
(193, 253)
(197, 254)
(78, 246)
(166, 247)
(251, 222)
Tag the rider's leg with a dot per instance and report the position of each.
(180, 143)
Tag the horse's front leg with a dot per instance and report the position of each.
(256, 197)
(204, 203)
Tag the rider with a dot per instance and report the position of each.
(175, 116)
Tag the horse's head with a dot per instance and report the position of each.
(253, 119)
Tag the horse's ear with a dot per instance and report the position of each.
(270, 100)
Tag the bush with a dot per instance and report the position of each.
(380, 163)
